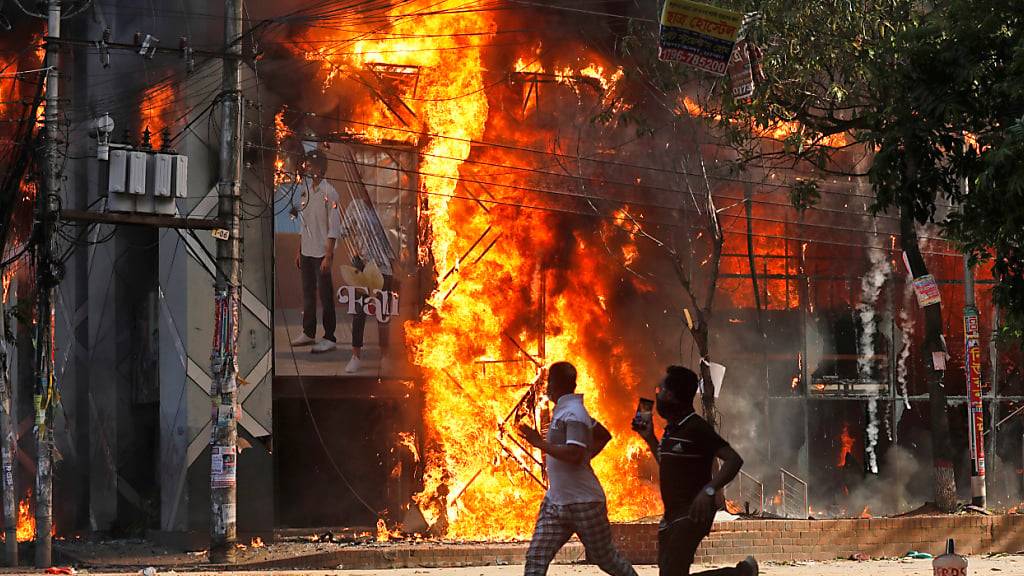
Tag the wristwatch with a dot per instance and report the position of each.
(708, 490)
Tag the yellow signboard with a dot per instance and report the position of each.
(698, 34)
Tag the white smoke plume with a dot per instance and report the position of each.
(871, 287)
(907, 336)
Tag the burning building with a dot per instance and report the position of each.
(532, 200)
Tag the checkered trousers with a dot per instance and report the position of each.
(557, 523)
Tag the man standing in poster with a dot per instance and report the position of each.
(320, 228)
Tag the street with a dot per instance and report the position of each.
(1003, 565)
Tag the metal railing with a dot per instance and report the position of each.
(794, 495)
(747, 492)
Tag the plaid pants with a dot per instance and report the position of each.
(557, 523)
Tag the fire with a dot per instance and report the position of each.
(445, 108)
(26, 520)
(385, 535)
(280, 133)
(846, 448)
(733, 507)
(256, 542)
(780, 130)
(866, 513)
(156, 109)
(26, 529)
(408, 440)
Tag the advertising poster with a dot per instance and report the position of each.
(975, 406)
(345, 260)
(698, 34)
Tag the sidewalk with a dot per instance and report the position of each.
(979, 566)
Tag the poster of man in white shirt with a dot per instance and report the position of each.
(347, 212)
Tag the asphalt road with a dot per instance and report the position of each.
(1000, 565)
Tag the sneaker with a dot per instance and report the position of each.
(323, 346)
(353, 366)
(748, 567)
(303, 340)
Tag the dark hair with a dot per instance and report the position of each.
(681, 382)
(316, 161)
(564, 373)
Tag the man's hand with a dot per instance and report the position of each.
(702, 509)
(531, 435)
(326, 263)
(298, 260)
(644, 427)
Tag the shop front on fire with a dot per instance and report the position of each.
(499, 200)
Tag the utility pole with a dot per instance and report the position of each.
(224, 450)
(46, 217)
(972, 371)
(7, 448)
(975, 406)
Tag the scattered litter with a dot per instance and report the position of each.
(860, 557)
(918, 555)
(150, 571)
(60, 570)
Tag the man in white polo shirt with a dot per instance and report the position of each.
(320, 227)
(575, 502)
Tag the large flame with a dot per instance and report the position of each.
(486, 316)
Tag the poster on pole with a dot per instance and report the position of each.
(697, 34)
(927, 291)
(975, 406)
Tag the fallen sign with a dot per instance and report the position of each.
(700, 35)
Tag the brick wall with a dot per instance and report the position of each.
(782, 540)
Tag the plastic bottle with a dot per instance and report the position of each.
(950, 563)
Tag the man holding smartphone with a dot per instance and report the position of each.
(685, 456)
(575, 502)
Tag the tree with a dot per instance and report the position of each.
(970, 62)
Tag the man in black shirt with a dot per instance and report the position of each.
(688, 489)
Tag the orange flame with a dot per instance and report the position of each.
(256, 542)
(733, 507)
(846, 448)
(26, 527)
(385, 535)
(156, 109)
(780, 130)
(866, 513)
(444, 109)
(280, 133)
(408, 440)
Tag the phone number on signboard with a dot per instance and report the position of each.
(696, 60)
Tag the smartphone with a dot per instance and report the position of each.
(644, 414)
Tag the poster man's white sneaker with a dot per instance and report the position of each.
(323, 346)
(353, 366)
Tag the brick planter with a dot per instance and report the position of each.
(782, 540)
